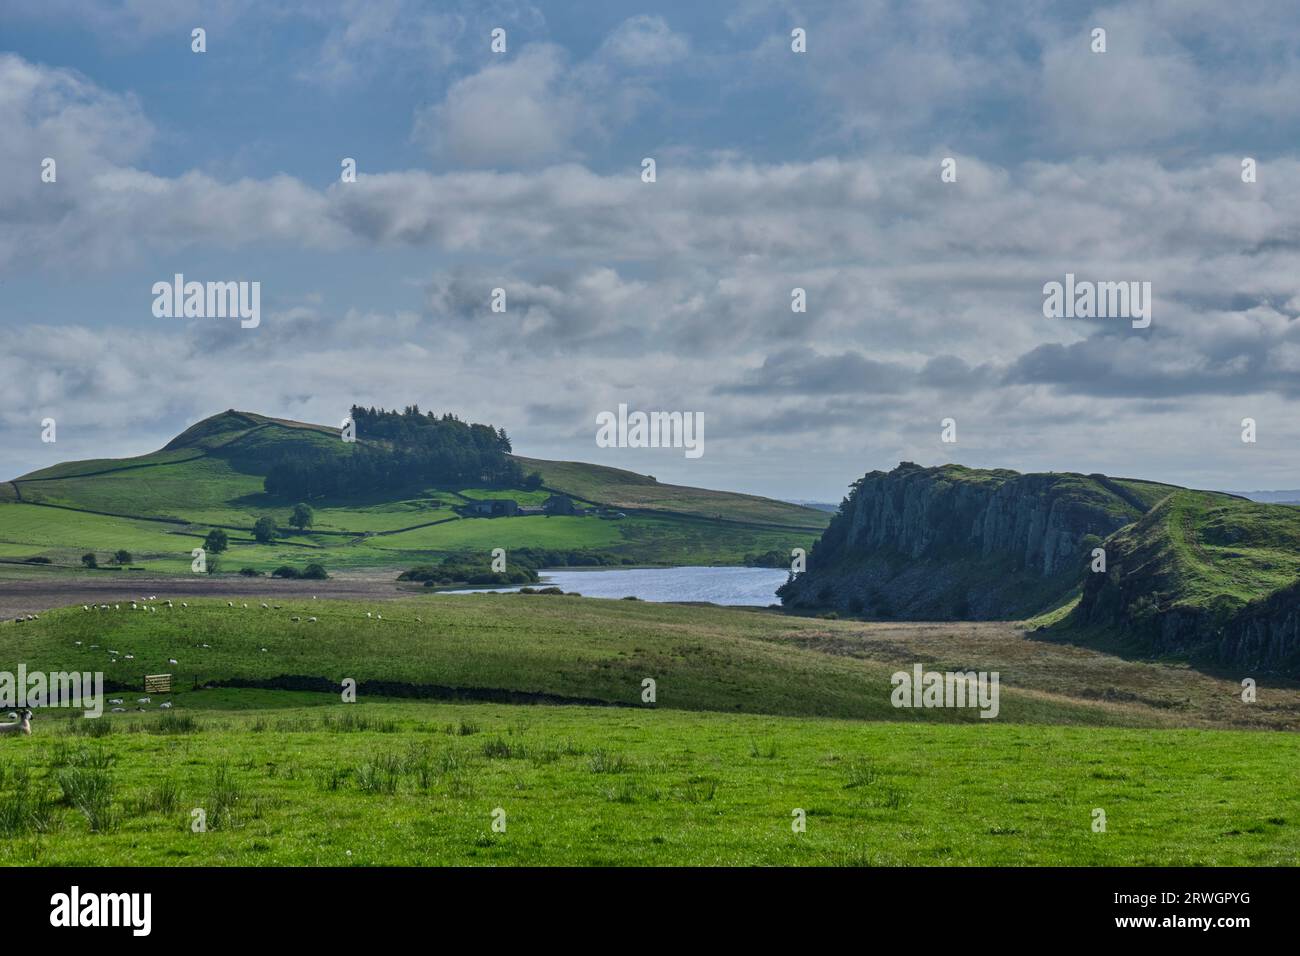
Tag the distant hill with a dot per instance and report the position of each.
(213, 475)
(1291, 497)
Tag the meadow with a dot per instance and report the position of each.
(757, 715)
(418, 783)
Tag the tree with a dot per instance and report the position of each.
(265, 530)
(123, 557)
(533, 481)
(302, 516)
(90, 561)
(216, 541)
(315, 572)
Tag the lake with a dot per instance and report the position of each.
(747, 586)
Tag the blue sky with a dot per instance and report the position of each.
(775, 170)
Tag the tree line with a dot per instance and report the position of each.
(401, 449)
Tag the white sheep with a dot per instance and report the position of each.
(115, 700)
(230, 604)
(142, 700)
(78, 643)
(119, 710)
(23, 726)
(171, 660)
(130, 657)
(185, 604)
(311, 620)
(166, 705)
(263, 605)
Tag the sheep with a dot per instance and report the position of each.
(311, 620)
(166, 705)
(153, 597)
(171, 660)
(23, 726)
(142, 700)
(245, 607)
(367, 614)
(185, 604)
(85, 607)
(133, 606)
(115, 700)
(295, 619)
(119, 710)
(379, 617)
(130, 657)
(230, 604)
(264, 606)
(78, 643)
(152, 610)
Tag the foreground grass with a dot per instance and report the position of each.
(417, 783)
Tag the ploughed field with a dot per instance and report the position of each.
(757, 715)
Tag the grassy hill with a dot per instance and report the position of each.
(1204, 576)
(159, 506)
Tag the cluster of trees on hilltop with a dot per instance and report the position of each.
(414, 448)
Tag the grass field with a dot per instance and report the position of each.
(757, 715)
(418, 783)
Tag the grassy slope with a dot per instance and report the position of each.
(701, 658)
(211, 475)
(629, 490)
(1206, 552)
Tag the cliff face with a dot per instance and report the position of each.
(954, 542)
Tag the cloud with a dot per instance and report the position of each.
(514, 113)
(644, 42)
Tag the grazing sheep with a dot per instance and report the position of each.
(230, 604)
(115, 700)
(153, 597)
(133, 606)
(166, 705)
(311, 620)
(130, 657)
(264, 650)
(367, 614)
(276, 607)
(294, 619)
(379, 617)
(185, 604)
(23, 726)
(119, 710)
(245, 607)
(85, 607)
(142, 700)
(78, 643)
(263, 605)
(171, 660)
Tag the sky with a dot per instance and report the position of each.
(775, 170)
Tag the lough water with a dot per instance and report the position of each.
(744, 586)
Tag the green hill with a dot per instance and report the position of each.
(159, 506)
(1201, 576)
